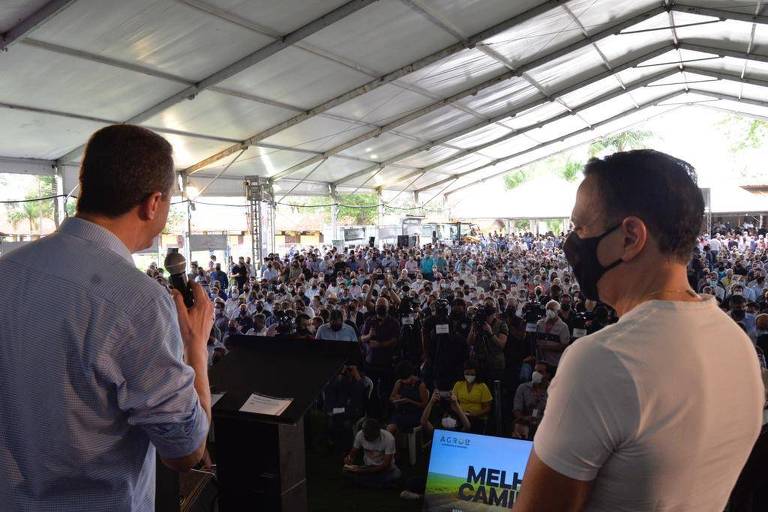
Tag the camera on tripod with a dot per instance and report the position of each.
(441, 309)
(533, 312)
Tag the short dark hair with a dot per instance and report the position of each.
(123, 165)
(659, 189)
(404, 369)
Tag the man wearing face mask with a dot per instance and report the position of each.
(381, 334)
(336, 329)
(552, 335)
(531, 397)
(615, 436)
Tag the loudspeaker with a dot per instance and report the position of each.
(372, 241)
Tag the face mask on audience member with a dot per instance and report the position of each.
(536, 378)
(448, 423)
(470, 377)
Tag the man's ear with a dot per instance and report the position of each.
(635, 235)
(149, 208)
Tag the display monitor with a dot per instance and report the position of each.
(469, 472)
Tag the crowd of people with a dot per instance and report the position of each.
(463, 336)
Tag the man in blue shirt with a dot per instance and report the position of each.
(89, 394)
(336, 329)
(427, 264)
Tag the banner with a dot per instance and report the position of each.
(470, 472)
(208, 242)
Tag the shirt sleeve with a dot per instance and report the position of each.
(485, 394)
(358, 443)
(565, 334)
(389, 445)
(592, 408)
(517, 404)
(155, 388)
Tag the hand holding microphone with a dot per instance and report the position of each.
(195, 310)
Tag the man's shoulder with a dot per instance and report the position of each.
(81, 267)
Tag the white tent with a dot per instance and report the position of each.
(549, 197)
(328, 95)
(542, 198)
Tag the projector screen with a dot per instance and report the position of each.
(469, 472)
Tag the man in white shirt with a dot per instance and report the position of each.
(552, 335)
(660, 410)
(378, 445)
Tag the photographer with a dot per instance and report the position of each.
(444, 337)
(95, 389)
(487, 339)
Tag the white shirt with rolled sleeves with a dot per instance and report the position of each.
(661, 409)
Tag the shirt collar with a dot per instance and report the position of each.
(100, 236)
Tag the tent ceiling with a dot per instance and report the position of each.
(429, 96)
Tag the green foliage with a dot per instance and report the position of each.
(34, 212)
(177, 219)
(623, 141)
(571, 170)
(555, 226)
(522, 225)
(514, 180)
(744, 134)
(359, 209)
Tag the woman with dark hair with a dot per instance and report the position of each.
(409, 397)
(473, 397)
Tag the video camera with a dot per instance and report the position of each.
(533, 312)
(441, 309)
(481, 316)
(285, 323)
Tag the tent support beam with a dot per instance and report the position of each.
(616, 69)
(32, 22)
(13, 165)
(720, 13)
(550, 142)
(722, 75)
(574, 146)
(506, 114)
(246, 62)
(729, 97)
(383, 80)
(500, 78)
(520, 131)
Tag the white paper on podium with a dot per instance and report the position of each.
(262, 404)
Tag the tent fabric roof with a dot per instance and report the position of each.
(416, 95)
(549, 197)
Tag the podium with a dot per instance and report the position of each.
(261, 459)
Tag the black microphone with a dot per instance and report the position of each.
(176, 265)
